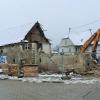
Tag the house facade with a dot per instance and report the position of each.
(70, 48)
(29, 48)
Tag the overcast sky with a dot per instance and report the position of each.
(56, 16)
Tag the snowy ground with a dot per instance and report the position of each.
(54, 78)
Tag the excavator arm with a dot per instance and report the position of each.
(95, 39)
(87, 43)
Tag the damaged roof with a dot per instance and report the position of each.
(31, 31)
(17, 34)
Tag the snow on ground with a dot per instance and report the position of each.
(84, 81)
(54, 78)
(45, 78)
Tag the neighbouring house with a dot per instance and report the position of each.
(70, 47)
(25, 46)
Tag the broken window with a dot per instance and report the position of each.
(27, 46)
(1, 51)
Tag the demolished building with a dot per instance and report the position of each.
(26, 46)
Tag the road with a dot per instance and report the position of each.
(17, 90)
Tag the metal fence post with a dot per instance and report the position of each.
(62, 61)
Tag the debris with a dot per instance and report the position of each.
(3, 77)
(30, 71)
(13, 70)
(4, 68)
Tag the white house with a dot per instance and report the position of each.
(71, 47)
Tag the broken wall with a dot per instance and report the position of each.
(56, 62)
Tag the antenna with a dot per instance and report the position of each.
(69, 32)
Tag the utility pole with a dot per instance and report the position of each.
(90, 31)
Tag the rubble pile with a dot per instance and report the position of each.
(13, 69)
(30, 71)
(4, 68)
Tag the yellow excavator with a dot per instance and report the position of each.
(93, 39)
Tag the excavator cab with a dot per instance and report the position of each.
(94, 57)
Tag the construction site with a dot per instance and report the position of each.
(31, 70)
(32, 55)
(49, 50)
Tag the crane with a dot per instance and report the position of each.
(93, 39)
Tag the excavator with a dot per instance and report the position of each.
(93, 39)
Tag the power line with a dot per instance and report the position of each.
(93, 22)
(10, 28)
(83, 31)
(74, 29)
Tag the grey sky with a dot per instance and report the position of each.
(56, 16)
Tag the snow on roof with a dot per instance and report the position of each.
(15, 34)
